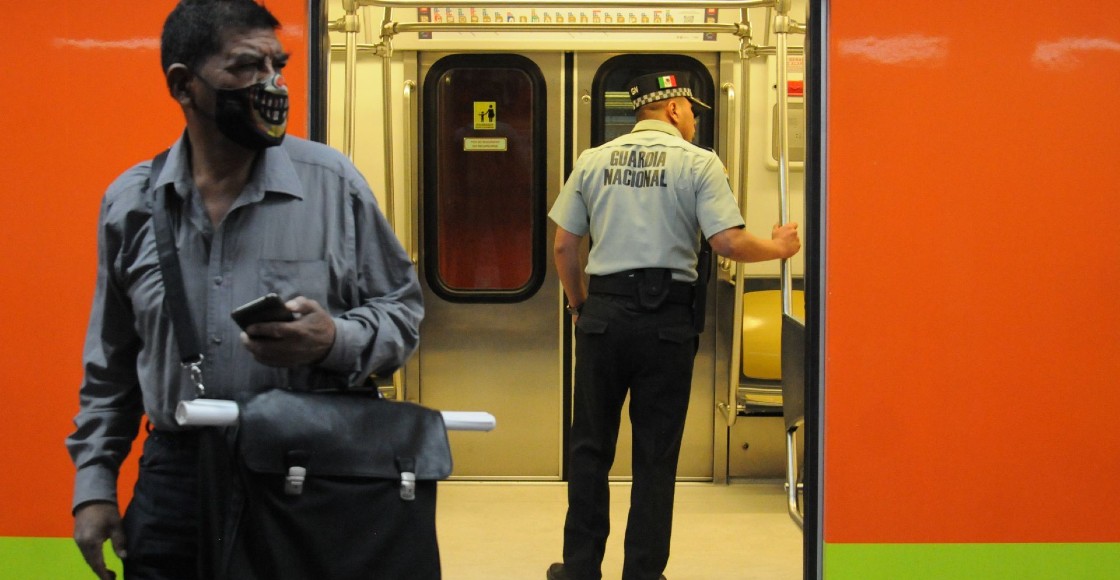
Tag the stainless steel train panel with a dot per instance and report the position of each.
(492, 333)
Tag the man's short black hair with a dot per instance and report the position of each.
(193, 31)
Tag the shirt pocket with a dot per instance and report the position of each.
(292, 278)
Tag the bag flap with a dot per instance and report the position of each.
(341, 435)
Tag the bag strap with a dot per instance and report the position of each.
(175, 294)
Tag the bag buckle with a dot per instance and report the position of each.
(407, 467)
(293, 483)
(297, 472)
(408, 486)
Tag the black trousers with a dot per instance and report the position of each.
(622, 348)
(161, 522)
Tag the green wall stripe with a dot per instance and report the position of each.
(58, 559)
(971, 561)
(47, 559)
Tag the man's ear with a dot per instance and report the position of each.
(673, 111)
(178, 78)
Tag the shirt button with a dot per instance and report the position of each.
(215, 339)
(217, 280)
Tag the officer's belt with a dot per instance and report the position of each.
(626, 284)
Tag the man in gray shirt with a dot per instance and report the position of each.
(644, 198)
(252, 212)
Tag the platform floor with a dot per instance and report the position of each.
(513, 531)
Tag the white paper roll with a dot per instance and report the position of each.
(206, 413)
(468, 420)
(221, 413)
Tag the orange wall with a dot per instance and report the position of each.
(82, 100)
(973, 263)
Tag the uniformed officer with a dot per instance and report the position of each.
(644, 198)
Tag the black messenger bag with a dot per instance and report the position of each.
(335, 486)
(310, 485)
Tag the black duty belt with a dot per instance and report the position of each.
(626, 284)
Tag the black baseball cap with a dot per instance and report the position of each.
(659, 86)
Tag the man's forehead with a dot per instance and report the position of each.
(254, 42)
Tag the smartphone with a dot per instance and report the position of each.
(267, 308)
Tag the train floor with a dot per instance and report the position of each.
(513, 531)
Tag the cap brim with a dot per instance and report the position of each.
(696, 101)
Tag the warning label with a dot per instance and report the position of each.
(485, 115)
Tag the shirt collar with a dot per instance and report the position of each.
(657, 125)
(274, 172)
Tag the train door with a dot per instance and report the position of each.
(490, 166)
(495, 128)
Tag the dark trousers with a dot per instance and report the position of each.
(621, 348)
(161, 522)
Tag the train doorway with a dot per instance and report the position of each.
(462, 363)
(499, 133)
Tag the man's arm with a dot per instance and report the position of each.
(380, 329)
(109, 412)
(743, 246)
(565, 251)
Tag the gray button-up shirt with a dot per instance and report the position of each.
(306, 224)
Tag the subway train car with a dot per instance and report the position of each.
(926, 391)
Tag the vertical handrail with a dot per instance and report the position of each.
(411, 197)
(350, 28)
(782, 26)
(409, 188)
(793, 506)
(793, 381)
(731, 412)
(387, 119)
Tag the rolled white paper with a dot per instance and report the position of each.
(206, 413)
(222, 413)
(468, 420)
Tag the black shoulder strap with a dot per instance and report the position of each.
(175, 294)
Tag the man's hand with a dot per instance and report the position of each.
(94, 523)
(306, 340)
(786, 239)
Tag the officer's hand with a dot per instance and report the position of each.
(306, 340)
(786, 239)
(93, 524)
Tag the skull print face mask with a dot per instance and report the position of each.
(255, 116)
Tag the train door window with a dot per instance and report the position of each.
(484, 178)
(612, 114)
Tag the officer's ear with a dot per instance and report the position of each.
(673, 110)
(178, 79)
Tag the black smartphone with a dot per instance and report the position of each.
(267, 308)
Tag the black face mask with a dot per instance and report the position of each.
(255, 116)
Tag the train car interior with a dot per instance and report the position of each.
(467, 118)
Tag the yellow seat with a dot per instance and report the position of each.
(762, 332)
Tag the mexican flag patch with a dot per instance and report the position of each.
(667, 82)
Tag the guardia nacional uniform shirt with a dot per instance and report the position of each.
(644, 197)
